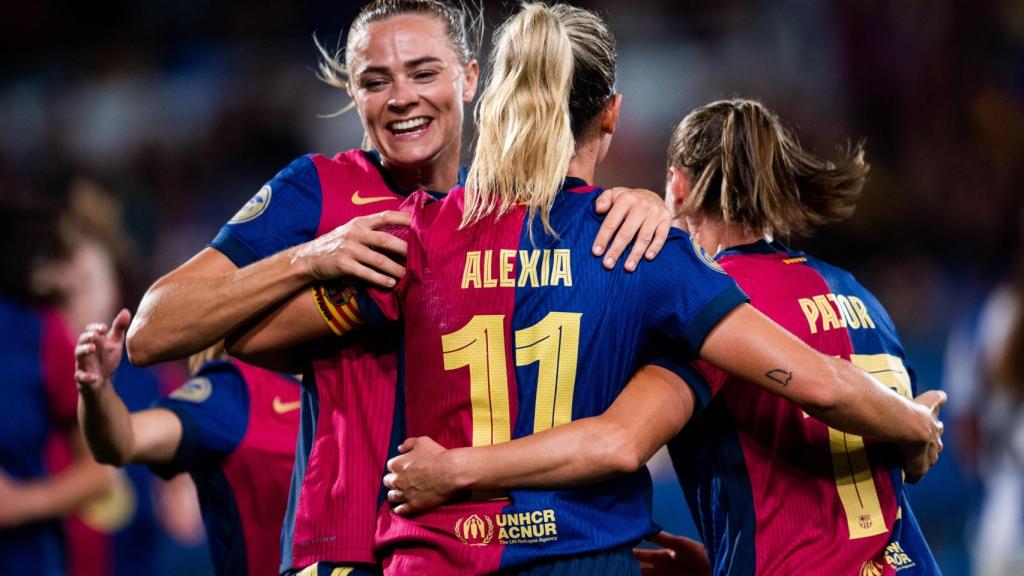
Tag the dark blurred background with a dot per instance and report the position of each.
(182, 109)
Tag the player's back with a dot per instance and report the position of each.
(775, 491)
(509, 333)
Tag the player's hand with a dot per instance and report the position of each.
(677, 555)
(418, 478)
(919, 457)
(98, 352)
(634, 215)
(358, 249)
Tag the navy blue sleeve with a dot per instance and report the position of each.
(689, 293)
(662, 353)
(213, 407)
(284, 213)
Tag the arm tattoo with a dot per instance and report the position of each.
(780, 376)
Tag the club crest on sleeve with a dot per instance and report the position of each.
(708, 260)
(196, 390)
(254, 207)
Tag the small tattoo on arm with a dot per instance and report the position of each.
(780, 376)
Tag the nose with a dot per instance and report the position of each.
(402, 95)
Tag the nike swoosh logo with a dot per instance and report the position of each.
(285, 407)
(360, 200)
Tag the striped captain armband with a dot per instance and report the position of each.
(338, 306)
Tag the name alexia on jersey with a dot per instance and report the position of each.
(537, 268)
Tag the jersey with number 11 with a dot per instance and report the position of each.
(509, 333)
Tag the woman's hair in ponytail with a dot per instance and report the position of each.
(747, 169)
(552, 71)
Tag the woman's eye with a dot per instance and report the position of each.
(373, 84)
(425, 75)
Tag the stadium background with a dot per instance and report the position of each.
(181, 110)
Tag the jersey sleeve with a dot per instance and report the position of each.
(58, 369)
(284, 213)
(660, 353)
(213, 407)
(690, 294)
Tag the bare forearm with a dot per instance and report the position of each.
(187, 311)
(865, 407)
(67, 490)
(106, 424)
(748, 344)
(652, 409)
(567, 456)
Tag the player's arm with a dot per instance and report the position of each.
(652, 409)
(57, 495)
(114, 435)
(325, 310)
(748, 344)
(207, 297)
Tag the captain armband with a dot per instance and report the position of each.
(338, 306)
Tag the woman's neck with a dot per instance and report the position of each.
(716, 236)
(440, 175)
(584, 163)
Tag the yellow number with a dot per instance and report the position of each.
(554, 342)
(854, 480)
(480, 344)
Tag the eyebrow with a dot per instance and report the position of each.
(415, 63)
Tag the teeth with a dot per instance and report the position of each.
(411, 124)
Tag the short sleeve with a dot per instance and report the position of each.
(662, 353)
(284, 213)
(690, 293)
(58, 364)
(213, 407)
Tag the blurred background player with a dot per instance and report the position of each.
(409, 67)
(565, 43)
(985, 380)
(232, 427)
(45, 470)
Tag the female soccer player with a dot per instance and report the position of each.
(232, 427)
(409, 67)
(498, 257)
(38, 411)
(771, 490)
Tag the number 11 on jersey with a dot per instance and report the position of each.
(480, 345)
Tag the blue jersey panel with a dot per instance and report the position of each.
(25, 424)
(303, 447)
(600, 322)
(284, 213)
(213, 407)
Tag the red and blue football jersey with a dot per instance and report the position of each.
(509, 333)
(239, 425)
(38, 411)
(348, 400)
(774, 491)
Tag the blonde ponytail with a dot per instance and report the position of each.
(525, 138)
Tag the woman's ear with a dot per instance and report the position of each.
(472, 79)
(610, 115)
(678, 187)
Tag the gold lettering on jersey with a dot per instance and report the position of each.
(830, 311)
(489, 280)
(561, 269)
(471, 272)
(507, 264)
(537, 268)
(535, 527)
(528, 267)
